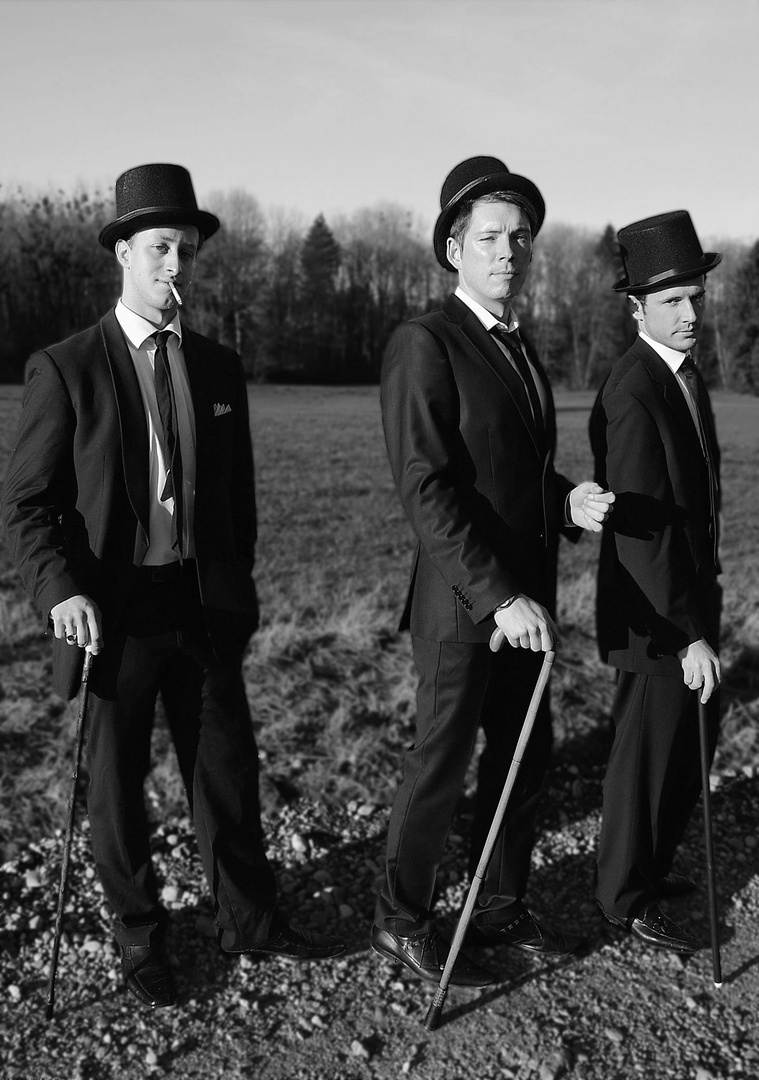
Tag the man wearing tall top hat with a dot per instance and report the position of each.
(658, 605)
(470, 431)
(130, 513)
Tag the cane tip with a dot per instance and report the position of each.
(718, 986)
(432, 1019)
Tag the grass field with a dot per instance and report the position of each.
(329, 679)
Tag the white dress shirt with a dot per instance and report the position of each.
(139, 337)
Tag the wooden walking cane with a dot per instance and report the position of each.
(79, 741)
(703, 737)
(432, 1019)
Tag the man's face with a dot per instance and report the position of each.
(495, 255)
(674, 316)
(153, 258)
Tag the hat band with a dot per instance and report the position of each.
(469, 187)
(676, 271)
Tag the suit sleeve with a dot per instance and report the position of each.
(433, 472)
(649, 534)
(40, 491)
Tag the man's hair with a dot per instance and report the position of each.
(460, 223)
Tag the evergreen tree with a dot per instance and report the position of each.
(319, 263)
(318, 351)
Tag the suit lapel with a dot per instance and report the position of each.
(200, 390)
(487, 349)
(134, 428)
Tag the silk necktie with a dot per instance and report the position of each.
(695, 385)
(513, 343)
(167, 410)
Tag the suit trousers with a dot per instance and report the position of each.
(652, 784)
(161, 647)
(463, 686)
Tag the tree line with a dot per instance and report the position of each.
(316, 302)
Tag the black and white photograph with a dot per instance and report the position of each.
(379, 539)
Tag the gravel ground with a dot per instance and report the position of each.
(617, 1012)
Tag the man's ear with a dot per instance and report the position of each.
(453, 251)
(123, 253)
(635, 307)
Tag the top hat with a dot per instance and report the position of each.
(472, 179)
(661, 251)
(152, 195)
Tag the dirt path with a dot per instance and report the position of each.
(616, 1013)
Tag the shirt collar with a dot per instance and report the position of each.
(138, 329)
(671, 357)
(487, 318)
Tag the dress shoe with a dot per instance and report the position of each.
(673, 884)
(524, 932)
(425, 955)
(147, 975)
(293, 944)
(655, 928)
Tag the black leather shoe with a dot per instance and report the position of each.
(525, 932)
(425, 955)
(673, 884)
(147, 975)
(293, 944)
(655, 928)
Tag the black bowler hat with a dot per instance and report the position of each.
(661, 251)
(152, 195)
(471, 180)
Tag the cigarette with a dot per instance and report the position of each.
(177, 297)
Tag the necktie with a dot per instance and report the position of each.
(695, 385)
(167, 410)
(513, 343)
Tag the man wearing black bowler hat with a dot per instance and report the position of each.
(658, 605)
(130, 513)
(470, 431)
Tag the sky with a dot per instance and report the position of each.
(616, 109)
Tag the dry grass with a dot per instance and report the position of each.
(330, 682)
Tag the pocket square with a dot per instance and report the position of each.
(220, 410)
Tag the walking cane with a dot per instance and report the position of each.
(432, 1019)
(703, 737)
(83, 692)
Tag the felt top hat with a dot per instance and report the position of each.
(472, 179)
(152, 195)
(661, 251)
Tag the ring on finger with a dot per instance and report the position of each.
(70, 637)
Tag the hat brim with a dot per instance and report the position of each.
(518, 186)
(707, 262)
(152, 217)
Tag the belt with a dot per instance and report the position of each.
(173, 571)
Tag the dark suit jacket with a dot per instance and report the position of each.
(484, 501)
(658, 570)
(76, 494)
